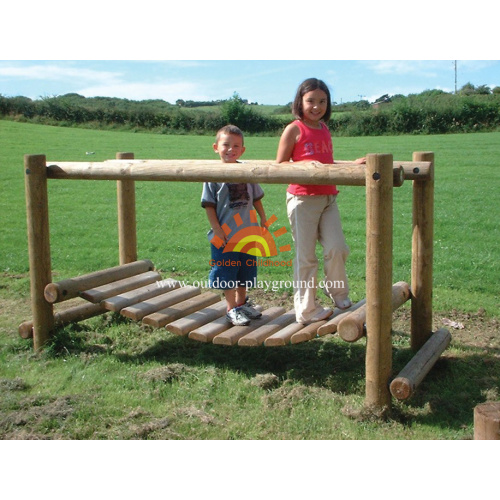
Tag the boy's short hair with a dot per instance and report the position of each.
(308, 86)
(229, 129)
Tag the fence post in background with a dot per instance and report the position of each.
(422, 255)
(37, 216)
(127, 231)
(379, 220)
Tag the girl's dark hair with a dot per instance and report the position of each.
(305, 87)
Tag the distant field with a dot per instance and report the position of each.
(172, 225)
(107, 378)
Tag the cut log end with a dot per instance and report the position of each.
(402, 388)
(487, 421)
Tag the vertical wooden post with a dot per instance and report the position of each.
(422, 255)
(37, 215)
(379, 202)
(127, 232)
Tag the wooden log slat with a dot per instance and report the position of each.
(206, 333)
(126, 299)
(70, 288)
(149, 306)
(258, 336)
(184, 325)
(352, 327)
(100, 293)
(309, 332)
(283, 336)
(65, 317)
(164, 316)
(404, 385)
(338, 315)
(235, 333)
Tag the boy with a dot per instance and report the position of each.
(232, 271)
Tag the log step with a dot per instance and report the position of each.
(258, 336)
(199, 318)
(235, 333)
(100, 293)
(149, 306)
(206, 333)
(70, 288)
(119, 302)
(164, 316)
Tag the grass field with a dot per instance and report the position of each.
(108, 379)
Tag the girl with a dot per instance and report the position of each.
(312, 209)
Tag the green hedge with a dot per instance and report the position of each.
(447, 114)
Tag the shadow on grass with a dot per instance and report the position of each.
(325, 363)
(446, 397)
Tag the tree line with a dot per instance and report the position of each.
(430, 112)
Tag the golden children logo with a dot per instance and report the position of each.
(252, 240)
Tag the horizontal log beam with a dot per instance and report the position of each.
(404, 385)
(341, 173)
(65, 317)
(70, 288)
(352, 327)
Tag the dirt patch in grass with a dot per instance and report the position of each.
(34, 417)
(167, 373)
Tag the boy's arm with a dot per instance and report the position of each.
(214, 223)
(260, 210)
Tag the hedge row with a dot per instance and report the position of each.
(462, 114)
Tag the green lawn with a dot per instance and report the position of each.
(107, 378)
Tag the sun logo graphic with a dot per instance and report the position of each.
(252, 240)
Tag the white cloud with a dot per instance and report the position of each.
(57, 72)
(169, 92)
(426, 69)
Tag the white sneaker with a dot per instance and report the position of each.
(237, 317)
(249, 311)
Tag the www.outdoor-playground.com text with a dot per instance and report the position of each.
(262, 284)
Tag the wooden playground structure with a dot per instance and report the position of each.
(135, 290)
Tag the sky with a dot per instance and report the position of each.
(261, 81)
(261, 50)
